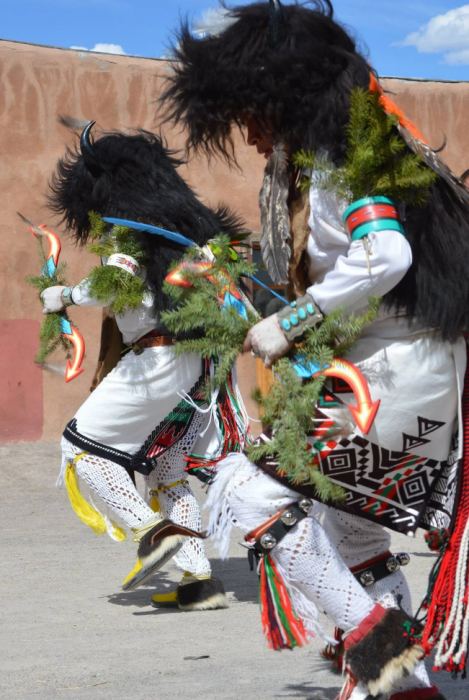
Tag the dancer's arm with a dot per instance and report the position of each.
(372, 267)
(59, 297)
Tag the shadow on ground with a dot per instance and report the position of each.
(308, 691)
(235, 574)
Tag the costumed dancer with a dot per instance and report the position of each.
(147, 413)
(287, 74)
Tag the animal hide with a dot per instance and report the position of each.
(275, 247)
(433, 160)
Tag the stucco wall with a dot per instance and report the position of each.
(37, 84)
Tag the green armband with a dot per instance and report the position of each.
(297, 316)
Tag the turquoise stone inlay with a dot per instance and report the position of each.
(302, 314)
(286, 324)
(294, 320)
(310, 308)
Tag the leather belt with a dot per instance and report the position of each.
(153, 339)
(154, 342)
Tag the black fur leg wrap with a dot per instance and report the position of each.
(378, 652)
(206, 594)
(156, 547)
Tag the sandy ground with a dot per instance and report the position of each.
(68, 631)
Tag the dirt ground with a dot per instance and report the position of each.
(68, 631)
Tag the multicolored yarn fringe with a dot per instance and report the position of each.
(447, 623)
(335, 652)
(233, 430)
(437, 539)
(281, 625)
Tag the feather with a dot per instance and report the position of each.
(72, 123)
(436, 163)
(147, 228)
(214, 21)
(273, 198)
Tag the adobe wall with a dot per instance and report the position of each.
(38, 83)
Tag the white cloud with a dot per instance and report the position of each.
(103, 48)
(447, 34)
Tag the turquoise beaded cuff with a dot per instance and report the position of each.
(66, 296)
(372, 214)
(297, 316)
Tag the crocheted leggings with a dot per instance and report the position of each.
(176, 501)
(308, 557)
(358, 540)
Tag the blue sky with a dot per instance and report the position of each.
(405, 38)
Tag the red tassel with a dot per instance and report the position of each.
(349, 686)
(440, 599)
(281, 625)
(335, 652)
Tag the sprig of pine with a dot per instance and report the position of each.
(220, 333)
(114, 286)
(50, 334)
(377, 162)
(290, 404)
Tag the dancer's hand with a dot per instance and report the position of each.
(52, 299)
(267, 341)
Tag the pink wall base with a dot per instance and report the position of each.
(21, 402)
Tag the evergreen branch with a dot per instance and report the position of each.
(377, 162)
(289, 406)
(50, 334)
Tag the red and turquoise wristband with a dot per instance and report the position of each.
(372, 214)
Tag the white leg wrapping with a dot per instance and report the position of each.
(178, 503)
(112, 484)
(358, 540)
(313, 571)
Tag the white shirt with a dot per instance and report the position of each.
(132, 324)
(342, 272)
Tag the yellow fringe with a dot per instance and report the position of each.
(83, 509)
(155, 504)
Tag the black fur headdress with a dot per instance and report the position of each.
(299, 80)
(134, 177)
(300, 83)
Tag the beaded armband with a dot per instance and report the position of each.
(372, 214)
(297, 316)
(66, 297)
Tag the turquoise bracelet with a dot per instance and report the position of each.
(372, 214)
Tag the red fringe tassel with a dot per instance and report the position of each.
(442, 596)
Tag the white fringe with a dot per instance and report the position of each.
(242, 418)
(67, 455)
(221, 519)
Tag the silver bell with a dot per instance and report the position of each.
(305, 505)
(403, 558)
(367, 578)
(392, 564)
(268, 541)
(289, 518)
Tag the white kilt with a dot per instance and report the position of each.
(136, 397)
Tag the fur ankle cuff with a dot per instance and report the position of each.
(378, 654)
